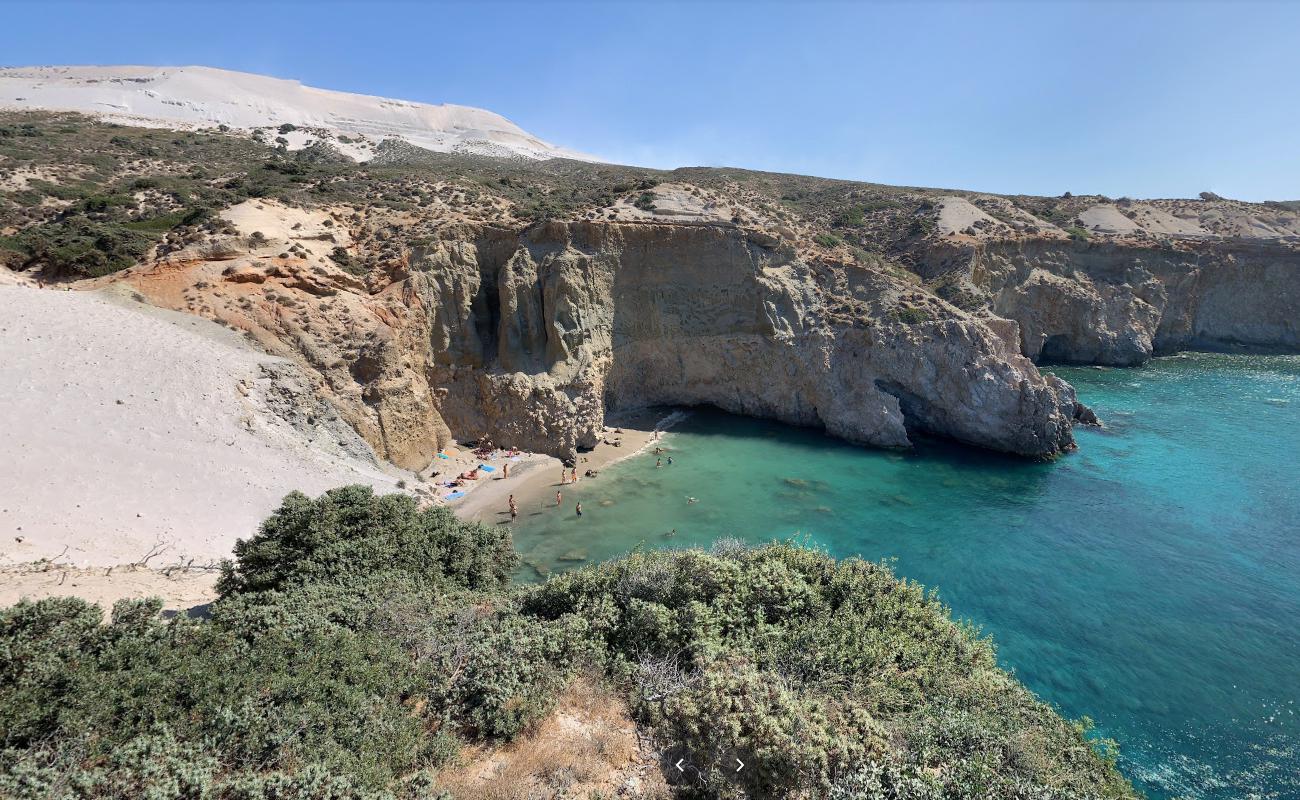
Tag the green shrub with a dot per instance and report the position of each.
(827, 240)
(911, 315)
(158, 224)
(813, 671)
(360, 641)
(921, 226)
(353, 533)
(78, 247)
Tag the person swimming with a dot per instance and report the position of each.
(691, 500)
(659, 462)
(670, 461)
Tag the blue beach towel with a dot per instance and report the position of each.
(487, 468)
(454, 496)
(443, 455)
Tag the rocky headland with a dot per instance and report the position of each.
(438, 296)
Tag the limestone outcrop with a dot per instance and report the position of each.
(1119, 303)
(529, 337)
(532, 338)
(436, 295)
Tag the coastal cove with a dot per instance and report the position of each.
(1148, 581)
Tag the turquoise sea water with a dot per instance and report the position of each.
(1150, 581)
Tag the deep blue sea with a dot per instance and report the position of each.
(1150, 581)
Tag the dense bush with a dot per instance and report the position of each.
(352, 533)
(811, 671)
(80, 247)
(359, 641)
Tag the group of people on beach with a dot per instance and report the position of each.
(569, 475)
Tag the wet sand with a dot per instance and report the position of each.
(534, 485)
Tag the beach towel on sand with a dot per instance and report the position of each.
(453, 496)
(443, 455)
(487, 468)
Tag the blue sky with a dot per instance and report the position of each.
(1145, 100)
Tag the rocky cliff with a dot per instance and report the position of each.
(1120, 302)
(530, 336)
(438, 296)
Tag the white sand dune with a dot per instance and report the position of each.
(205, 97)
(1107, 219)
(127, 428)
(956, 214)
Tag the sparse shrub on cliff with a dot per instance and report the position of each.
(340, 255)
(911, 315)
(1077, 233)
(855, 216)
(921, 226)
(827, 240)
(849, 218)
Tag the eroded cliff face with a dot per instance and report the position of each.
(534, 337)
(529, 337)
(430, 300)
(1118, 303)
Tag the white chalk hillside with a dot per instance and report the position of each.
(203, 97)
(128, 429)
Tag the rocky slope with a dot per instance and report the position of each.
(438, 296)
(530, 336)
(1119, 296)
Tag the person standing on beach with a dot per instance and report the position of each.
(573, 475)
(559, 499)
(579, 509)
(564, 476)
(514, 507)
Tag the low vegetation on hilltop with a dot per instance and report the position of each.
(360, 644)
(86, 198)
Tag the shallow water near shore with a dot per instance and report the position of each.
(1150, 581)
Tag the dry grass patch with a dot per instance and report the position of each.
(588, 747)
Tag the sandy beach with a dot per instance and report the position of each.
(140, 440)
(534, 485)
